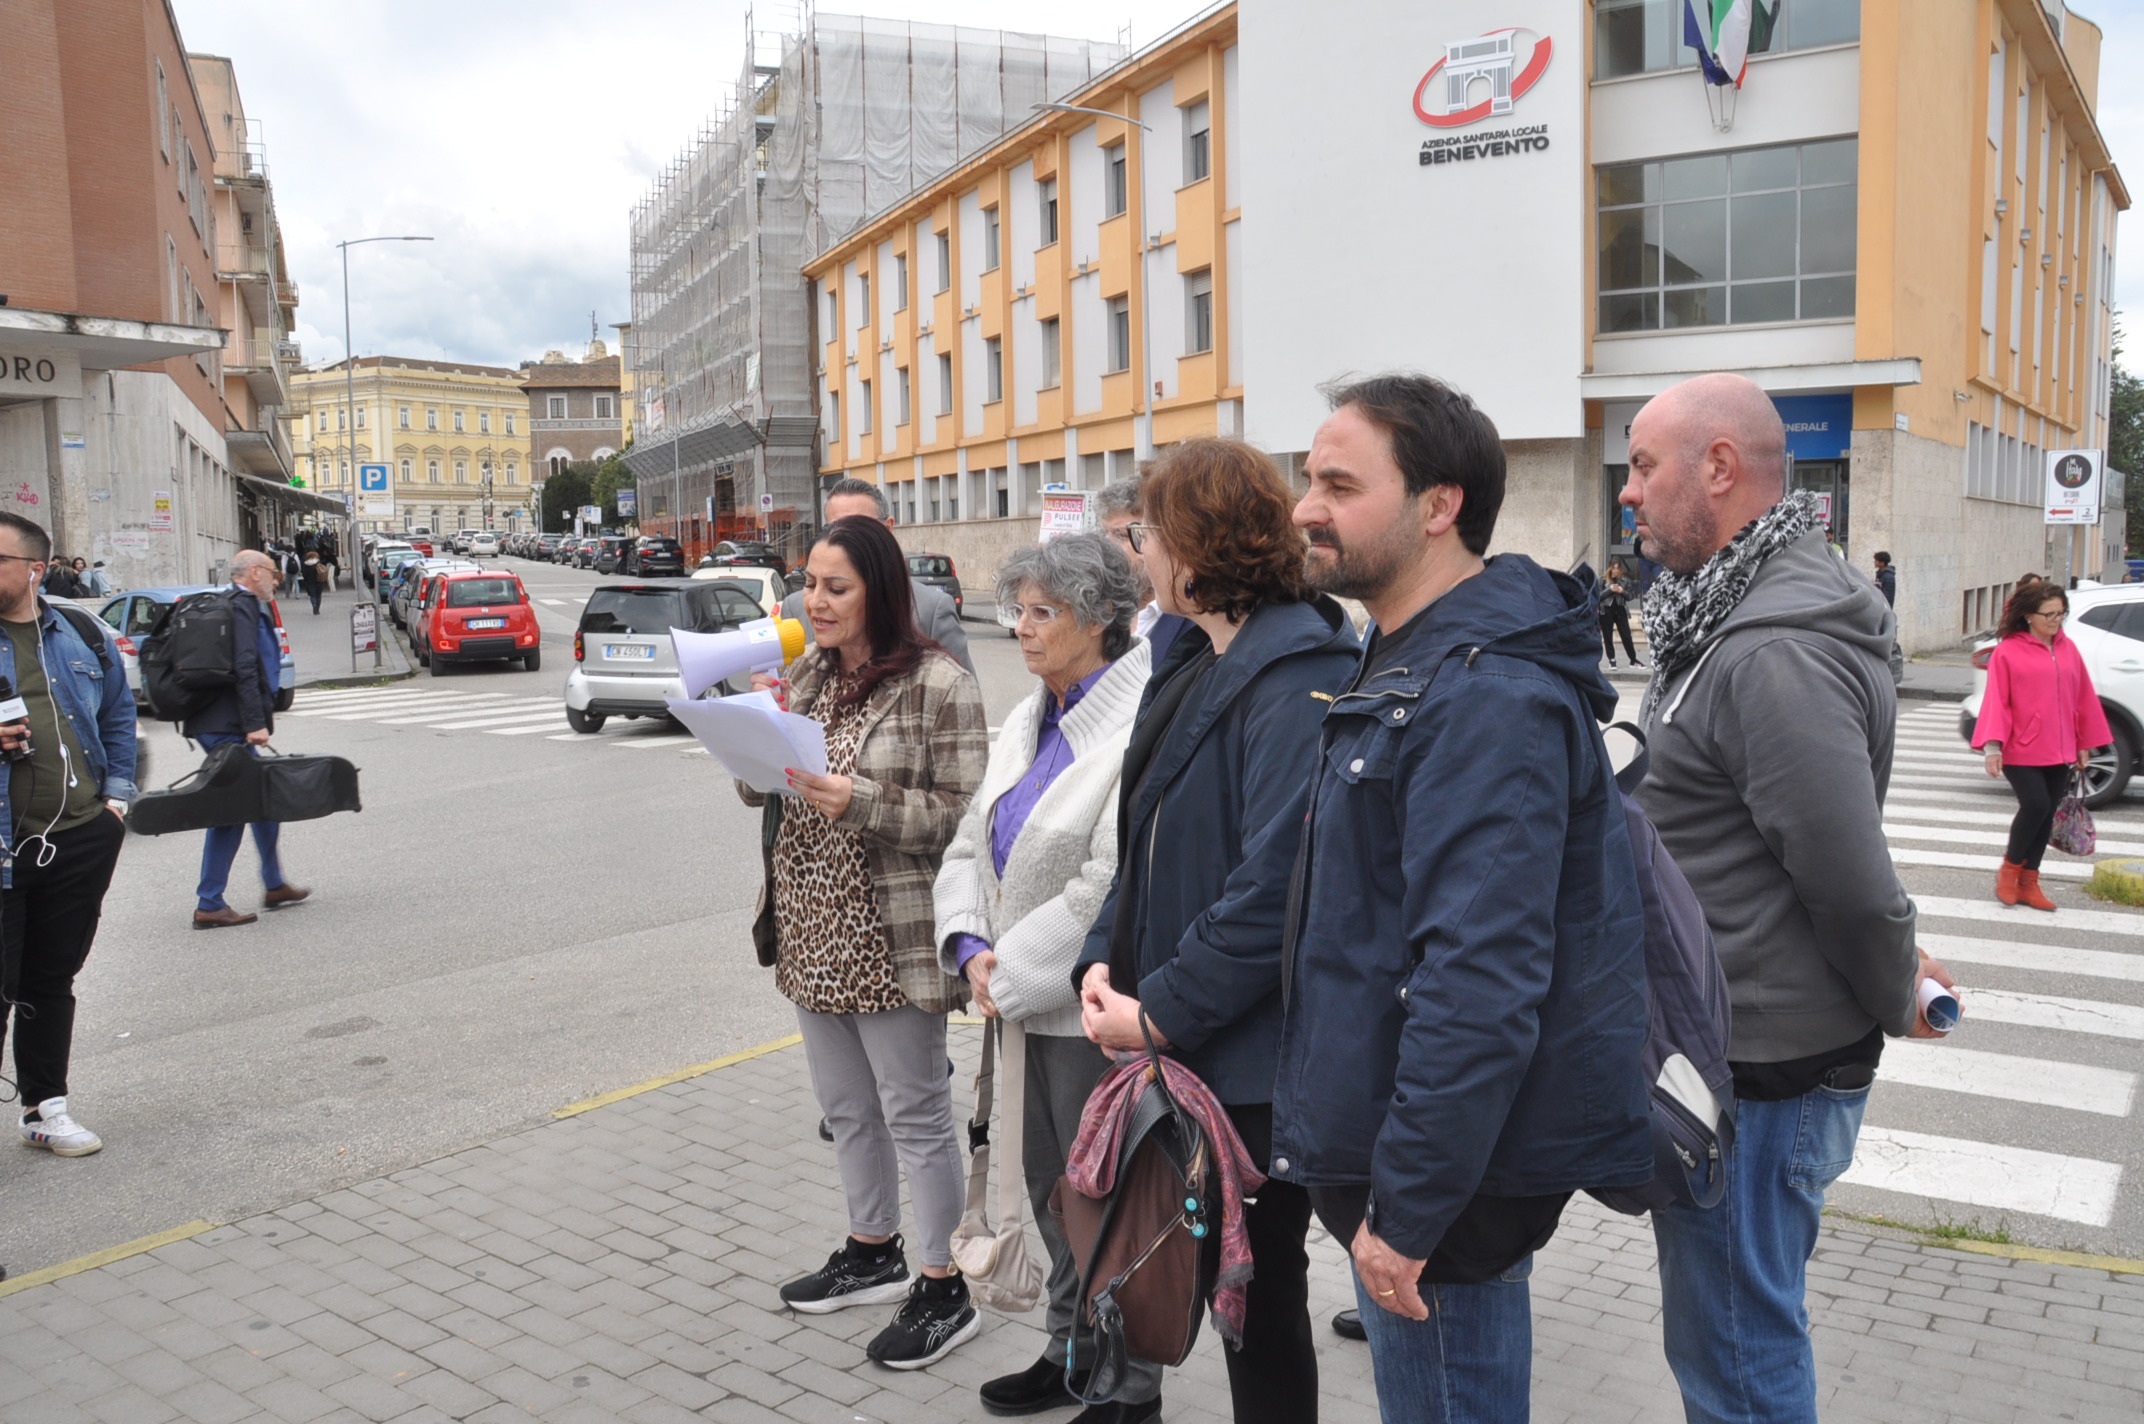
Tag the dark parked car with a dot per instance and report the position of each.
(745, 551)
(610, 553)
(937, 570)
(654, 556)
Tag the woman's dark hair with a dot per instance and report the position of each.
(1439, 437)
(889, 602)
(2026, 601)
(1616, 569)
(1226, 517)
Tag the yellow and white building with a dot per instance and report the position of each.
(1901, 224)
(450, 433)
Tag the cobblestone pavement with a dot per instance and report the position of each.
(621, 1263)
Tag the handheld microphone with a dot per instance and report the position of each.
(14, 709)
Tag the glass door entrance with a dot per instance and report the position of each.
(1827, 479)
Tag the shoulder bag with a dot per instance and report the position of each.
(995, 1261)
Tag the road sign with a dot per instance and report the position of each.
(377, 493)
(766, 504)
(2073, 481)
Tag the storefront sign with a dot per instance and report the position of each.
(1065, 512)
(2073, 479)
(628, 503)
(1818, 427)
(40, 375)
(160, 512)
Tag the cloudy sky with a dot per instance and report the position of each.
(519, 133)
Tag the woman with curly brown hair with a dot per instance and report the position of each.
(1216, 781)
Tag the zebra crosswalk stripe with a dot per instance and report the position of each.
(1986, 1174)
(2109, 1092)
(2051, 1011)
(2044, 958)
(1951, 907)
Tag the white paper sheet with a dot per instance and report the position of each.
(754, 739)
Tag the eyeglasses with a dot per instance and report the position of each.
(1135, 535)
(1042, 615)
(2055, 617)
(24, 558)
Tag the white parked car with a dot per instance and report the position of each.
(483, 544)
(766, 584)
(2107, 623)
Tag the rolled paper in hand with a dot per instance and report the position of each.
(1939, 1006)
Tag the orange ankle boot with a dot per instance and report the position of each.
(2029, 891)
(2006, 882)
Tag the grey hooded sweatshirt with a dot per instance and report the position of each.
(1771, 755)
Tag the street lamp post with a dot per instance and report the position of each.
(349, 373)
(1146, 289)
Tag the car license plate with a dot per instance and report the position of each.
(487, 622)
(641, 651)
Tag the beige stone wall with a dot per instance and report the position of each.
(976, 547)
(1551, 491)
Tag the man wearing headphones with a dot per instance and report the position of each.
(245, 711)
(67, 740)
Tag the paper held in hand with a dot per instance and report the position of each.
(754, 739)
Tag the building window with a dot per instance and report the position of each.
(1642, 36)
(833, 312)
(901, 392)
(991, 242)
(945, 383)
(509, 422)
(461, 472)
(513, 473)
(457, 420)
(483, 422)
(863, 299)
(1759, 235)
(323, 421)
(431, 418)
(945, 262)
(556, 405)
(900, 281)
(1120, 334)
(405, 472)
(360, 417)
(1198, 312)
(1198, 142)
(163, 113)
(1113, 189)
(1051, 354)
(833, 415)
(402, 416)
(993, 368)
(342, 419)
(606, 408)
(863, 407)
(1048, 190)
(431, 471)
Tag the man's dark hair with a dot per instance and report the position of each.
(1439, 437)
(34, 537)
(1882, 558)
(862, 487)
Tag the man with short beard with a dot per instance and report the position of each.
(1463, 960)
(1770, 720)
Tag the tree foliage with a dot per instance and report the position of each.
(2125, 439)
(610, 477)
(565, 492)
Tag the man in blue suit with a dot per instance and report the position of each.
(245, 712)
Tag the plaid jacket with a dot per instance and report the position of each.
(923, 755)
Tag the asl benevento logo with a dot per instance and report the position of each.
(1482, 78)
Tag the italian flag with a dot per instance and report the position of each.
(1725, 33)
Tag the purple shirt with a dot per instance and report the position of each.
(1052, 755)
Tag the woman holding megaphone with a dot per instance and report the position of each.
(855, 853)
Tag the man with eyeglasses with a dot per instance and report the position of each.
(67, 738)
(936, 616)
(1119, 511)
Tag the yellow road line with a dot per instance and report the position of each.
(2122, 1265)
(105, 1257)
(619, 1095)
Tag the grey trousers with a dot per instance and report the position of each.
(880, 1079)
(1061, 1072)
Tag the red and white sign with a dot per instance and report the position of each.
(1445, 97)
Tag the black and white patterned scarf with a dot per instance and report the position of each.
(1682, 610)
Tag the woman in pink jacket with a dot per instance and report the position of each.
(2038, 719)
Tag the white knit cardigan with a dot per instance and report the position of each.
(1061, 865)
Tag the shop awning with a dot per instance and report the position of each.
(103, 343)
(291, 497)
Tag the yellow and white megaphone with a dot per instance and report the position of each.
(762, 645)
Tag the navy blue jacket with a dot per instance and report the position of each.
(1467, 987)
(1209, 842)
(248, 705)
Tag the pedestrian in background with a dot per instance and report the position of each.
(1886, 579)
(1770, 721)
(1027, 873)
(97, 581)
(1615, 613)
(2039, 721)
(70, 775)
(316, 580)
(855, 853)
(243, 712)
(60, 582)
(937, 619)
(1467, 1004)
(1215, 782)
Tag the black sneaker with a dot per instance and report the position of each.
(935, 1317)
(854, 1275)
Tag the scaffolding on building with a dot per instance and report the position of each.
(833, 118)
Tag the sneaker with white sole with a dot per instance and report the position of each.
(935, 1317)
(54, 1128)
(849, 1278)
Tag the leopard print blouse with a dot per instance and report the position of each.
(834, 956)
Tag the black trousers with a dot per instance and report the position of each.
(1273, 1379)
(1611, 620)
(2040, 790)
(48, 919)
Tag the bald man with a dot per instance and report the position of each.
(1770, 721)
(243, 712)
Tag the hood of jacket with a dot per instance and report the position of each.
(1519, 609)
(1806, 585)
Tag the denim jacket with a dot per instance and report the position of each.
(94, 698)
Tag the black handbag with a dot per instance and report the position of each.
(305, 788)
(225, 790)
(765, 934)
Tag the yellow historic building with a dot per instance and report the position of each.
(450, 433)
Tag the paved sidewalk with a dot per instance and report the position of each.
(621, 1264)
(320, 644)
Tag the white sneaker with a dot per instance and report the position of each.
(57, 1130)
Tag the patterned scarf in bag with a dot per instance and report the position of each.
(1683, 610)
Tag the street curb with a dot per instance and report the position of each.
(619, 1095)
(369, 679)
(2121, 1265)
(105, 1257)
(2118, 881)
(1930, 694)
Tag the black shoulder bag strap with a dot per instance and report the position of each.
(89, 629)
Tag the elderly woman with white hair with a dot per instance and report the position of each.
(1027, 873)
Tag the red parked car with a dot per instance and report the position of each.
(474, 615)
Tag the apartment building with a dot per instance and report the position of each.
(575, 408)
(1901, 229)
(455, 439)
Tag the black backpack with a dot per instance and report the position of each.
(1690, 1083)
(188, 657)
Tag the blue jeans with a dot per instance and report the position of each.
(1732, 1278)
(1471, 1362)
(222, 845)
